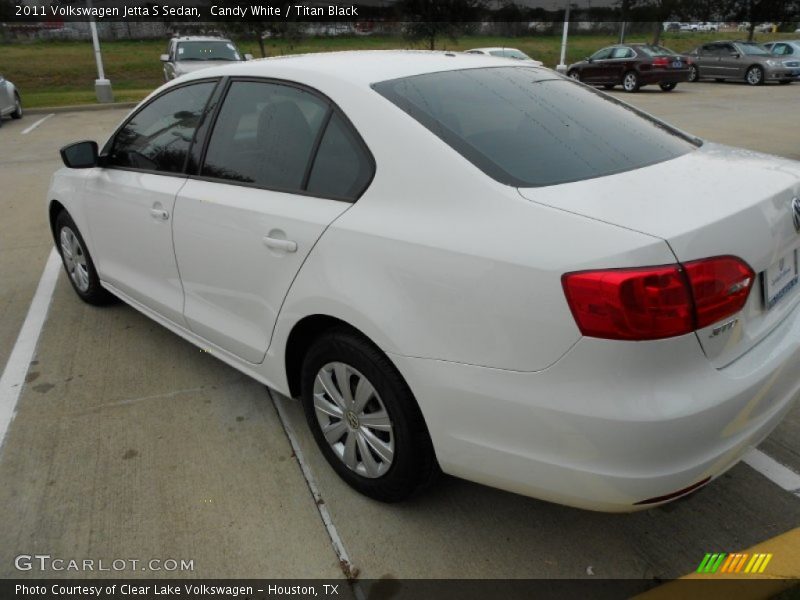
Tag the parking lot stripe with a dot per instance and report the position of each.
(35, 125)
(13, 379)
(333, 533)
(774, 471)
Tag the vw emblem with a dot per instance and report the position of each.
(796, 213)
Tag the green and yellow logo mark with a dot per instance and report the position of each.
(734, 563)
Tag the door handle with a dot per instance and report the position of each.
(159, 213)
(277, 244)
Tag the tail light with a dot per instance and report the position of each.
(661, 61)
(651, 303)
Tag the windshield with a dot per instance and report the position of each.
(207, 51)
(656, 51)
(527, 128)
(510, 53)
(754, 50)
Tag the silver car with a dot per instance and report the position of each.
(191, 53)
(746, 61)
(10, 102)
(785, 48)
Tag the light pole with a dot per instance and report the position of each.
(102, 86)
(561, 67)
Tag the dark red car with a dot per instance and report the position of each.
(632, 66)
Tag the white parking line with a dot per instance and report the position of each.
(774, 471)
(39, 122)
(333, 533)
(13, 379)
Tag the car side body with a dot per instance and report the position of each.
(10, 100)
(632, 66)
(453, 274)
(742, 61)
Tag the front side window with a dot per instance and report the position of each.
(200, 51)
(526, 128)
(158, 137)
(601, 54)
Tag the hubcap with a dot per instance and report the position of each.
(630, 81)
(74, 259)
(754, 76)
(353, 420)
(575, 75)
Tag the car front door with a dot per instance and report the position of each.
(731, 63)
(130, 199)
(595, 67)
(281, 164)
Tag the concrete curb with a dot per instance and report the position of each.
(39, 110)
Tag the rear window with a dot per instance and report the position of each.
(528, 128)
(656, 51)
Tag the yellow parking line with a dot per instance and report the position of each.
(781, 553)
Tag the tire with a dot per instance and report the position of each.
(667, 87)
(574, 74)
(754, 75)
(694, 74)
(386, 463)
(17, 114)
(630, 82)
(78, 262)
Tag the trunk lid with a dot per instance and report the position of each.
(710, 202)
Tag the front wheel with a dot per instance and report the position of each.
(364, 417)
(17, 114)
(694, 74)
(78, 262)
(574, 74)
(630, 81)
(667, 87)
(754, 75)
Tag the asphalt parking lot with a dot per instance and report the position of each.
(129, 442)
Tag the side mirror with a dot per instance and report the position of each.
(588, 59)
(80, 155)
(248, 57)
(165, 58)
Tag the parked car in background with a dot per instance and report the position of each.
(784, 48)
(10, 101)
(671, 26)
(191, 53)
(699, 26)
(632, 66)
(737, 60)
(766, 28)
(568, 298)
(506, 53)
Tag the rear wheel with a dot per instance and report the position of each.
(754, 75)
(667, 87)
(694, 74)
(630, 81)
(17, 114)
(78, 262)
(364, 417)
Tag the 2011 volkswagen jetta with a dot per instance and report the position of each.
(459, 264)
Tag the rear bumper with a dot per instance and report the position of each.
(612, 423)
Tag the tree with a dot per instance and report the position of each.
(431, 19)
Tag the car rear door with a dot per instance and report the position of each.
(731, 62)
(621, 60)
(708, 60)
(281, 164)
(130, 198)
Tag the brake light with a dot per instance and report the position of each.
(652, 303)
(660, 61)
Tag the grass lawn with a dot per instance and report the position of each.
(63, 73)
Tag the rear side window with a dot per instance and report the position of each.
(342, 167)
(265, 135)
(526, 128)
(158, 137)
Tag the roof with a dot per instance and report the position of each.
(492, 49)
(362, 67)
(201, 38)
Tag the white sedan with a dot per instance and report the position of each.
(459, 264)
